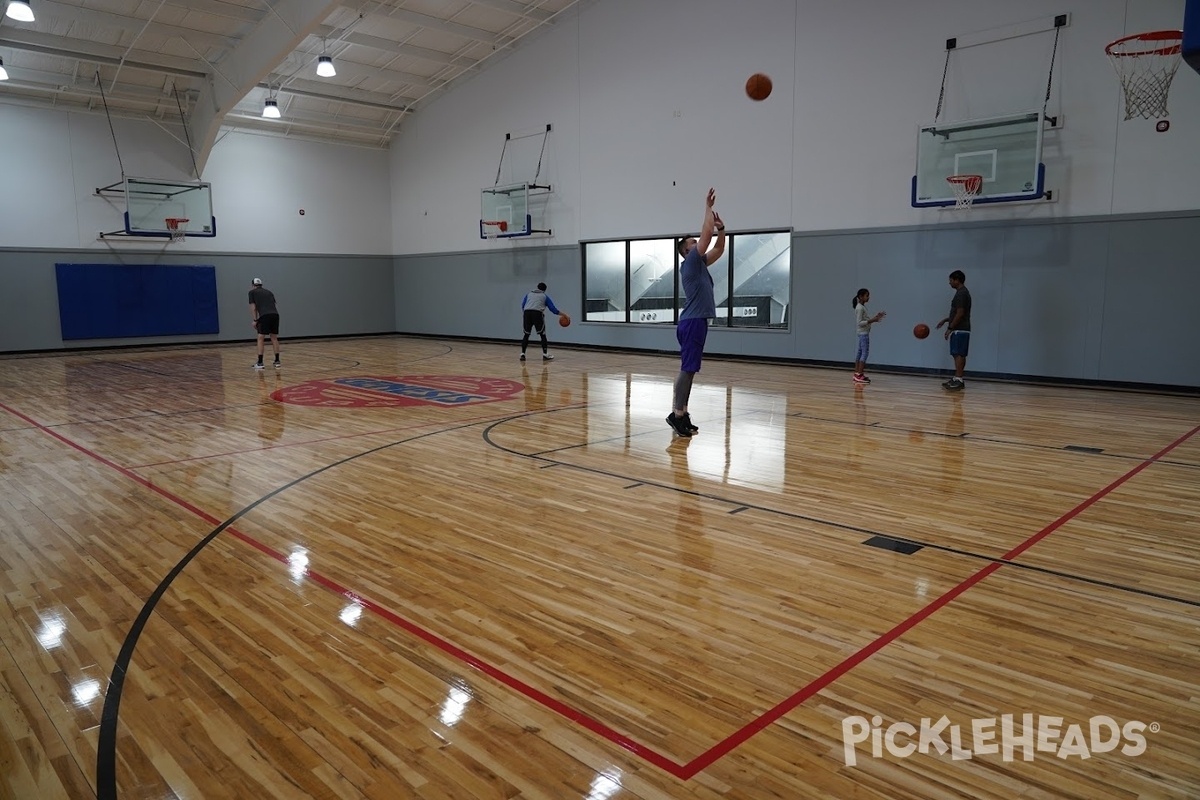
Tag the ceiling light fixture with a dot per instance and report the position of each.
(325, 67)
(19, 10)
(3, 71)
(271, 108)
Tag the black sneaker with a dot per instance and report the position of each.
(678, 425)
(687, 420)
(954, 385)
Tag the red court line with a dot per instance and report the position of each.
(722, 748)
(739, 737)
(557, 706)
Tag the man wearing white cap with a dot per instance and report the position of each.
(264, 316)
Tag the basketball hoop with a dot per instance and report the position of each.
(177, 227)
(966, 188)
(492, 228)
(1145, 64)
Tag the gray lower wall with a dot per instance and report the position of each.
(1100, 299)
(1105, 299)
(317, 295)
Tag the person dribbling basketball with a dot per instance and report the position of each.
(958, 329)
(533, 316)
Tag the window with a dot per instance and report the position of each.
(605, 289)
(636, 280)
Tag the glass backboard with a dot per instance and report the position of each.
(1005, 151)
(149, 203)
(511, 204)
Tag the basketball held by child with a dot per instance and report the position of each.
(921, 330)
(564, 320)
(758, 87)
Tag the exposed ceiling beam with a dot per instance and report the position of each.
(79, 50)
(219, 9)
(445, 26)
(352, 69)
(352, 96)
(251, 61)
(390, 46)
(329, 129)
(56, 82)
(512, 7)
(104, 19)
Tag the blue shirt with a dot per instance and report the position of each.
(697, 287)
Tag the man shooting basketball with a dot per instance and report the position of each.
(699, 308)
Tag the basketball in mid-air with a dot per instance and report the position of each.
(758, 87)
(564, 320)
(921, 330)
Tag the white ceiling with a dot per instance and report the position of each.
(220, 59)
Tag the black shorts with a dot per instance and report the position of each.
(268, 324)
(534, 320)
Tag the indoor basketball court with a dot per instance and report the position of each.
(408, 560)
(304, 606)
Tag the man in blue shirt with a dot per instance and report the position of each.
(699, 308)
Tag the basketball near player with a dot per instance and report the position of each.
(533, 316)
(958, 329)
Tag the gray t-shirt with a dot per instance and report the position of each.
(697, 284)
(263, 300)
(962, 299)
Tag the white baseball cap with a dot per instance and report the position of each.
(258, 281)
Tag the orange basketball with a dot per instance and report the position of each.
(921, 330)
(564, 320)
(758, 87)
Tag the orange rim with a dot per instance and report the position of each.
(1148, 38)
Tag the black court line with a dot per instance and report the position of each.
(106, 748)
(740, 509)
(970, 437)
(829, 523)
(632, 486)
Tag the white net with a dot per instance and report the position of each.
(177, 227)
(1146, 64)
(966, 188)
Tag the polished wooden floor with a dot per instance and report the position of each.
(210, 593)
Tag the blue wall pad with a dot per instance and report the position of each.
(111, 301)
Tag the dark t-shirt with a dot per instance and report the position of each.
(263, 300)
(962, 299)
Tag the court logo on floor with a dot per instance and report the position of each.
(366, 391)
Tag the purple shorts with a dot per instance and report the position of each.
(691, 334)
